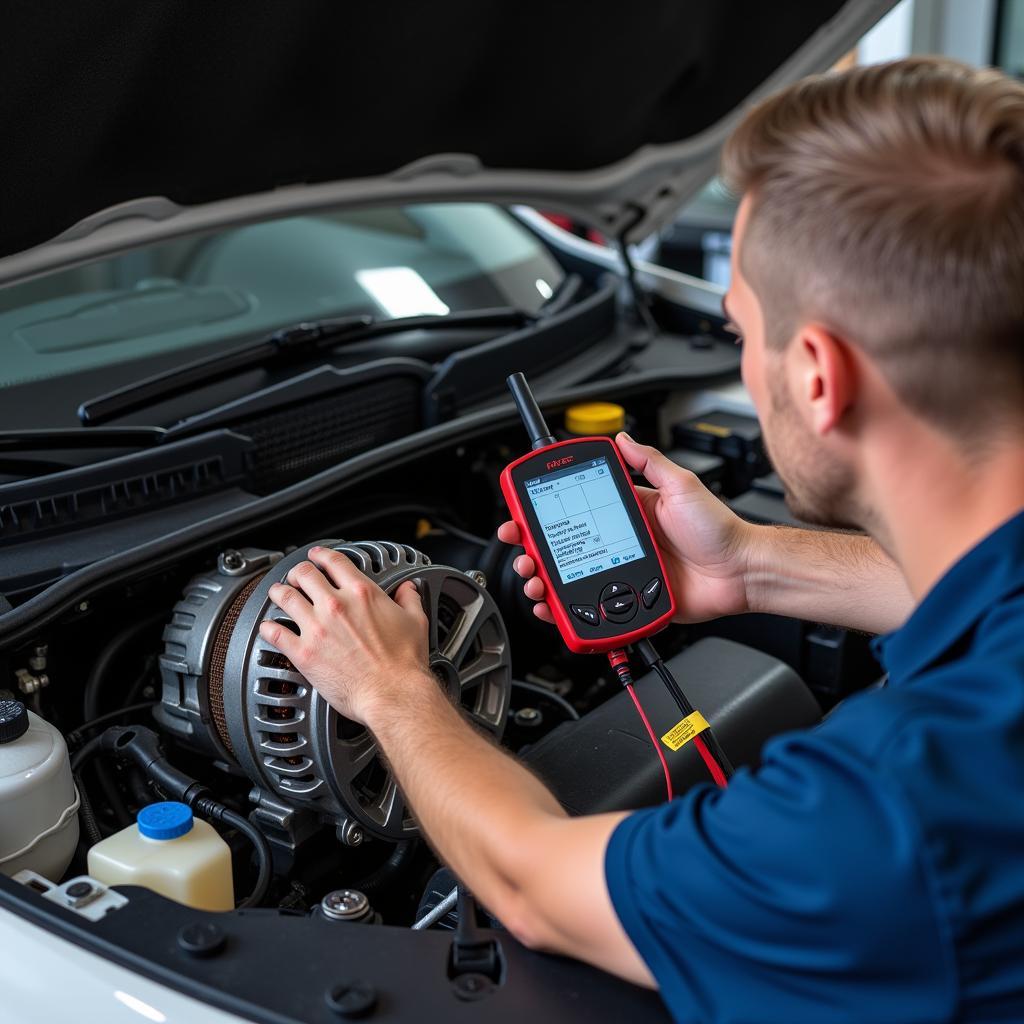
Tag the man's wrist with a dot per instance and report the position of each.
(419, 693)
(755, 561)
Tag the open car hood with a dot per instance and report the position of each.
(127, 123)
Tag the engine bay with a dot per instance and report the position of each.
(163, 689)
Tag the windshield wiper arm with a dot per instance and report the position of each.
(75, 437)
(288, 343)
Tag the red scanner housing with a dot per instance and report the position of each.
(606, 605)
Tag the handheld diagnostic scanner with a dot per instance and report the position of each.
(582, 523)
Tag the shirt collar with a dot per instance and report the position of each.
(991, 570)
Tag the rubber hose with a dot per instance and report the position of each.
(74, 737)
(399, 859)
(210, 808)
(85, 753)
(142, 745)
(106, 658)
(86, 813)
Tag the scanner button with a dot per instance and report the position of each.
(650, 592)
(620, 609)
(587, 613)
(615, 590)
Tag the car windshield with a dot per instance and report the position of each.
(195, 293)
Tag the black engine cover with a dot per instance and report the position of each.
(604, 762)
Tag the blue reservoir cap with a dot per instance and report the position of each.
(166, 820)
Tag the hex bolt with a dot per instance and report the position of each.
(477, 577)
(352, 1000)
(233, 559)
(351, 834)
(28, 683)
(78, 890)
(232, 562)
(528, 717)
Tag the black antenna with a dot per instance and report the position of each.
(529, 412)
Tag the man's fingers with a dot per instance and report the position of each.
(408, 597)
(509, 533)
(280, 637)
(339, 568)
(308, 578)
(293, 604)
(659, 470)
(534, 589)
(525, 567)
(543, 612)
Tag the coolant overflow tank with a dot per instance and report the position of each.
(38, 800)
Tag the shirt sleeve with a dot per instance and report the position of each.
(800, 893)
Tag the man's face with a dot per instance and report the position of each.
(819, 486)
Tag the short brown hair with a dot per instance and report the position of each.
(888, 205)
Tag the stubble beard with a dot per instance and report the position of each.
(819, 490)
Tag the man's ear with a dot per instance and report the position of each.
(824, 377)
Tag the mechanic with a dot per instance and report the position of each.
(871, 869)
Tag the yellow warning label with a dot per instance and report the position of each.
(712, 428)
(681, 734)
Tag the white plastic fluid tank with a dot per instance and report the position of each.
(172, 853)
(38, 800)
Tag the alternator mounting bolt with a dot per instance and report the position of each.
(232, 559)
(350, 834)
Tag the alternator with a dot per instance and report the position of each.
(228, 693)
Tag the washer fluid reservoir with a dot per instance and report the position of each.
(172, 853)
(38, 799)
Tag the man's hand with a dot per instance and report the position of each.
(357, 647)
(704, 544)
(720, 565)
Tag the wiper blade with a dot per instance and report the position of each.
(76, 437)
(288, 343)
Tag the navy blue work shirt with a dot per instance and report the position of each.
(872, 869)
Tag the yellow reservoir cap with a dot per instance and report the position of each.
(595, 418)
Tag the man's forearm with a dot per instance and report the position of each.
(479, 807)
(504, 835)
(842, 579)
